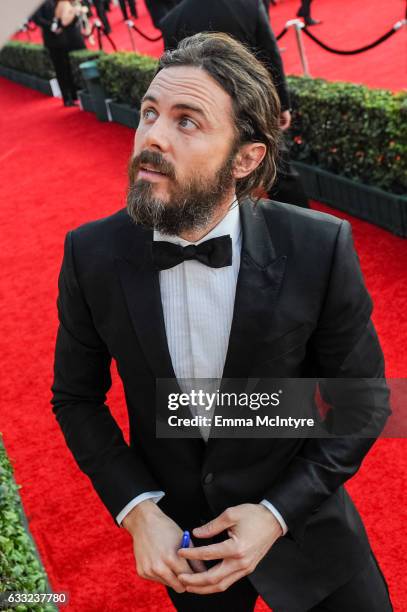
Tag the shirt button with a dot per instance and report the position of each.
(208, 478)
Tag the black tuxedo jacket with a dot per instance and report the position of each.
(245, 20)
(301, 309)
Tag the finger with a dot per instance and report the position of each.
(217, 525)
(214, 575)
(219, 587)
(168, 578)
(222, 550)
(196, 564)
(179, 566)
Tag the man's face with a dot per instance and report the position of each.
(181, 169)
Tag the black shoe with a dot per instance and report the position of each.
(309, 21)
(70, 102)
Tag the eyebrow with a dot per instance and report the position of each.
(180, 106)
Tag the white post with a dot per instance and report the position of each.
(298, 25)
(130, 26)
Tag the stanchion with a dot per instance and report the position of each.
(98, 27)
(101, 31)
(397, 26)
(298, 25)
(130, 26)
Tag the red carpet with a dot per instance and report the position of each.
(346, 25)
(59, 168)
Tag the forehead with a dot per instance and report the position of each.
(190, 85)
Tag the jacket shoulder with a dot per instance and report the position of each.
(103, 239)
(102, 227)
(301, 226)
(102, 232)
(297, 215)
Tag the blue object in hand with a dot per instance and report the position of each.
(186, 538)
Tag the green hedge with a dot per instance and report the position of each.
(27, 57)
(348, 129)
(351, 130)
(20, 569)
(126, 76)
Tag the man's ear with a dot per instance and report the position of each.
(247, 159)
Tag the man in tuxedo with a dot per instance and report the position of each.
(248, 22)
(193, 280)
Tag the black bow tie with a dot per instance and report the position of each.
(216, 253)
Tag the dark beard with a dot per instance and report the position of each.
(190, 206)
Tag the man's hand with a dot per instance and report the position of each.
(156, 540)
(285, 120)
(252, 530)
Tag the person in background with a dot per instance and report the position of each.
(132, 7)
(60, 25)
(248, 22)
(159, 8)
(85, 25)
(305, 12)
(101, 7)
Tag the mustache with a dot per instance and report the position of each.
(153, 159)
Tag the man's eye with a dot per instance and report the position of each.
(149, 113)
(186, 122)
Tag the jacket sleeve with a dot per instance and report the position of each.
(81, 381)
(345, 345)
(268, 52)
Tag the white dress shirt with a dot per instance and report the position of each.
(198, 306)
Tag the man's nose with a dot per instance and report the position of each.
(156, 137)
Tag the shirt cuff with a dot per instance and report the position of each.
(276, 513)
(155, 496)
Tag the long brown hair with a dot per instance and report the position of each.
(256, 105)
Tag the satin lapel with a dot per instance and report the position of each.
(258, 284)
(140, 283)
(259, 280)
